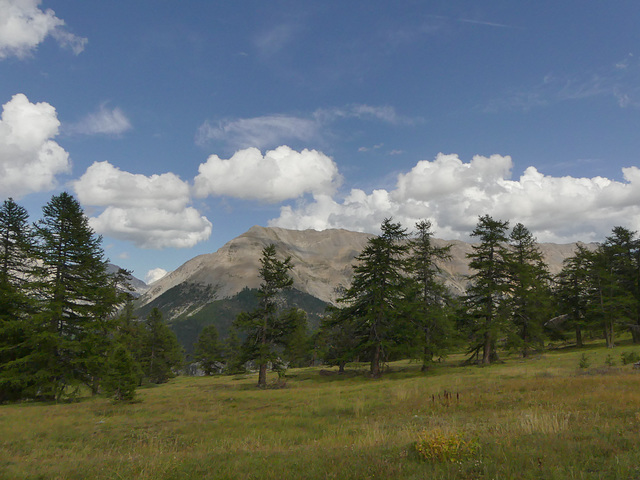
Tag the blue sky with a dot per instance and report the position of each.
(179, 125)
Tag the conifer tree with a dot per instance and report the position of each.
(572, 291)
(76, 297)
(427, 296)
(160, 352)
(266, 327)
(374, 301)
(16, 303)
(209, 352)
(529, 295)
(485, 299)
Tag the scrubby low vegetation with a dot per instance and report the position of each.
(540, 417)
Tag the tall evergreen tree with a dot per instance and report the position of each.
(209, 352)
(76, 296)
(265, 327)
(160, 352)
(572, 291)
(374, 301)
(529, 293)
(16, 303)
(427, 296)
(622, 252)
(485, 299)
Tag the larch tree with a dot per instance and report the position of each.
(76, 297)
(209, 351)
(427, 296)
(375, 299)
(572, 292)
(529, 298)
(489, 286)
(160, 352)
(266, 328)
(16, 303)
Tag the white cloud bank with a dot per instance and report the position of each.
(29, 158)
(151, 212)
(452, 194)
(23, 26)
(279, 175)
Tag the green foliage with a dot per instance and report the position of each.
(265, 326)
(529, 298)
(427, 299)
(629, 357)
(160, 352)
(609, 361)
(121, 376)
(437, 445)
(209, 352)
(60, 301)
(584, 362)
(374, 301)
(485, 313)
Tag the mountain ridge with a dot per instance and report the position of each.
(322, 259)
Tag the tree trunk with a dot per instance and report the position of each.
(341, 366)
(486, 349)
(262, 375)
(579, 343)
(375, 362)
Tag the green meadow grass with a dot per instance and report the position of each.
(540, 418)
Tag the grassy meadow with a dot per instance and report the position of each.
(542, 417)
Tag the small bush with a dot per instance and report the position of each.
(630, 357)
(584, 361)
(440, 446)
(609, 361)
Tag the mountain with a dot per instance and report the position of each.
(213, 288)
(139, 287)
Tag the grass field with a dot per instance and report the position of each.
(540, 418)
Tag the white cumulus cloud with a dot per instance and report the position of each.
(279, 175)
(453, 194)
(105, 121)
(151, 212)
(29, 158)
(23, 26)
(154, 275)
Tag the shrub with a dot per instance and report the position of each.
(440, 446)
(609, 361)
(630, 357)
(584, 361)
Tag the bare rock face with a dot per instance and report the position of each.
(323, 263)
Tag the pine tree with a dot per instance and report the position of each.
(572, 291)
(374, 301)
(122, 375)
(297, 344)
(485, 299)
(428, 297)
(622, 252)
(529, 290)
(160, 352)
(16, 302)
(265, 327)
(208, 350)
(77, 299)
